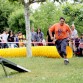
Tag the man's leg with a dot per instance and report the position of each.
(58, 46)
(63, 51)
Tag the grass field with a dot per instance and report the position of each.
(45, 70)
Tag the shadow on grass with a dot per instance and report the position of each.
(11, 74)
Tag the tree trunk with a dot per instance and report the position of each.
(28, 34)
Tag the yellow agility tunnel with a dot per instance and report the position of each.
(46, 51)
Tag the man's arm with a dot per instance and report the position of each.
(51, 29)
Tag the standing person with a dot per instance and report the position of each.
(74, 32)
(21, 38)
(4, 37)
(49, 40)
(62, 31)
(16, 40)
(39, 36)
(33, 36)
(74, 37)
(11, 39)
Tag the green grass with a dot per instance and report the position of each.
(45, 70)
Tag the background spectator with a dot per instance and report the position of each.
(39, 36)
(11, 39)
(74, 32)
(74, 38)
(16, 40)
(4, 37)
(33, 36)
(21, 38)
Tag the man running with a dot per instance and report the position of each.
(62, 32)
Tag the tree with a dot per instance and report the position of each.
(74, 14)
(5, 11)
(46, 15)
(26, 4)
(79, 1)
(61, 1)
(16, 20)
(28, 34)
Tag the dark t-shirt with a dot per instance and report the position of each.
(49, 39)
(10, 39)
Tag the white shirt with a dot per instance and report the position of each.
(74, 33)
(4, 37)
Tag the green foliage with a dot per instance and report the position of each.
(49, 14)
(46, 15)
(12, 15)
(74, 14)
(5, 10)
(16, 20)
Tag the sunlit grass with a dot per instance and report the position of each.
(45, 70)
